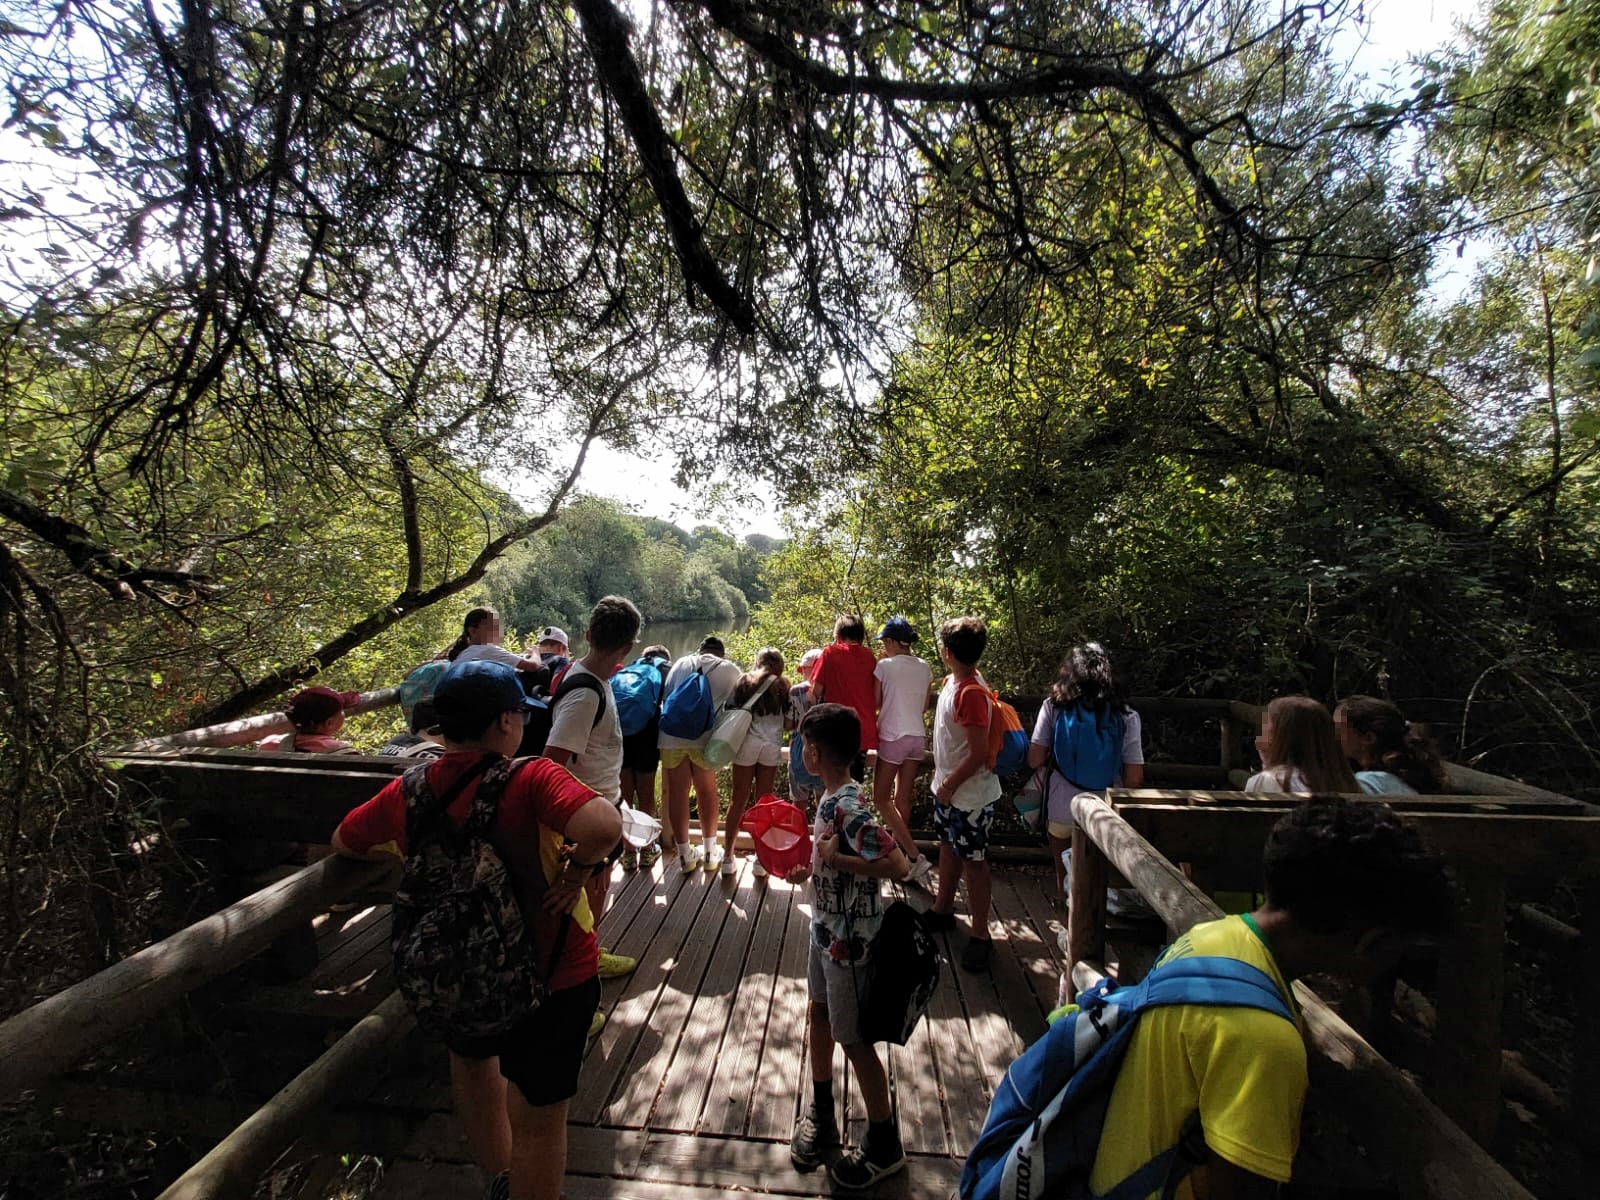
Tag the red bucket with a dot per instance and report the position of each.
(781, 833)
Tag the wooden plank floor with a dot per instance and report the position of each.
(694, 1084)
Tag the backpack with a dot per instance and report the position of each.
(463, 957)
(637, 691)
(1008, 741)
(1044, 1125)
(901, 974)
(1087, 746)
(542, 717)
(688, 712)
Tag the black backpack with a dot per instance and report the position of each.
(545, 698)
(464, 959)
(900, 976)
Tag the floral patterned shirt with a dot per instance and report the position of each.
(848, 908)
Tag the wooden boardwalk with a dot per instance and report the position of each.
(695, 1082)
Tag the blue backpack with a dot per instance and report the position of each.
(1087, 746)
(637, 691)
(1045, 1122)
(689, 711)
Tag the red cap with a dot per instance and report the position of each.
(315, 705)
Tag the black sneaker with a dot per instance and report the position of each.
(813, 1138)
(856, 1171)
(975, 957)
(939, 922)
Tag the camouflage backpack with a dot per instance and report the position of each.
(463, 957)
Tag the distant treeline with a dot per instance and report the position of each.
(596, 549)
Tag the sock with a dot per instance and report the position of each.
(822, 1097)
(882, 1143)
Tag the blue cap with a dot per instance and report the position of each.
(478, 691)
(900, 630)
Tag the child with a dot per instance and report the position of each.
(755, 766)
(586, 736)
(317, 713)
(964, 788)
(1391, 755)
(1299, 750)
(480, 640)
(851, 853)
(843, 675)
(552, 649)
(805, 789)
(902, 682)
(1348, 886)
(1083, 683)
(685, 764)
(640, 758)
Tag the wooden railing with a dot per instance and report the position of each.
(1413, 1143)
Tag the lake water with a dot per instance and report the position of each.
(682, 637)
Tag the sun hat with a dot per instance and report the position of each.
(552, 633)
(899, 629)
(314, 705)
(477, 691)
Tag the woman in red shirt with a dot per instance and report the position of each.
(844, 675)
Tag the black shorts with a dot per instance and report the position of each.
(640, 753)
(542, 1054)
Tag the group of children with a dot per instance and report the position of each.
(563, 813)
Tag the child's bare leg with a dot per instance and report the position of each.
(821, 1048)
(675, 789)
(905, 786)
(873, 1080)
(949, 876)
(480, 1097)
(743, 777)
(1059, 846)
(979, 889)
(883, 786)
(538, 1148)
(706, 798)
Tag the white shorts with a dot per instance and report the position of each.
(758, 752)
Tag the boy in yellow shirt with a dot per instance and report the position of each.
(1348, 887)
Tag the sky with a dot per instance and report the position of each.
(1377, 45)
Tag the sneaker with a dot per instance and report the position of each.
(649, 856)
(597, 1023)
(690, 857)
(615, 966)
(499, 1187)
(630, 859)
(976, 956)
(730, 867)
(757, 870)
(713, 857)
(922, 874)
(939, 922)
(856, 1171)
(813, 1139)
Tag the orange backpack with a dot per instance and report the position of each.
(1008, 741)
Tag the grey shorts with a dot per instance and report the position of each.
(834, 984)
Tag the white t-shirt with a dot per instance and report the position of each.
(720, 673)
(1061, 790)
(905, 679)
(1267, 781)
(950, 751)
(490, 652)
(596, 747)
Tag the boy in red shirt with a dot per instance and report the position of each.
(844, 675)
(511, 1091)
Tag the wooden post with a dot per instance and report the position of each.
(50, 1036)
(1230, 741)
(1585, 1092)
(234, 1165)
(1086, 919)
(1471, 991)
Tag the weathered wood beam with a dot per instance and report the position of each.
(238, 1161)
(1416, 1145)
(251, 729)
(1471, 989)
(1086, 914)
(50, 1036)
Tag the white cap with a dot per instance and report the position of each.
(551, 634)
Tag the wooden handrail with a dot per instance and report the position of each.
(50, 1036)
(251, 729)
(238, 1161)
(1420, 1148)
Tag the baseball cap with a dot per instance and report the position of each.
(899, 629)
(552, 633)
(809, 660)
(477, 691)
(314, 705)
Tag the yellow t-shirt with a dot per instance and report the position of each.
(1243, 1069)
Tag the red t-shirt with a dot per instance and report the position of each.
(844, 673)
(534, 809)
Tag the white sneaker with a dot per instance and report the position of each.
(757, 870)
(730, 867)
(713, 856)
(689, 857)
